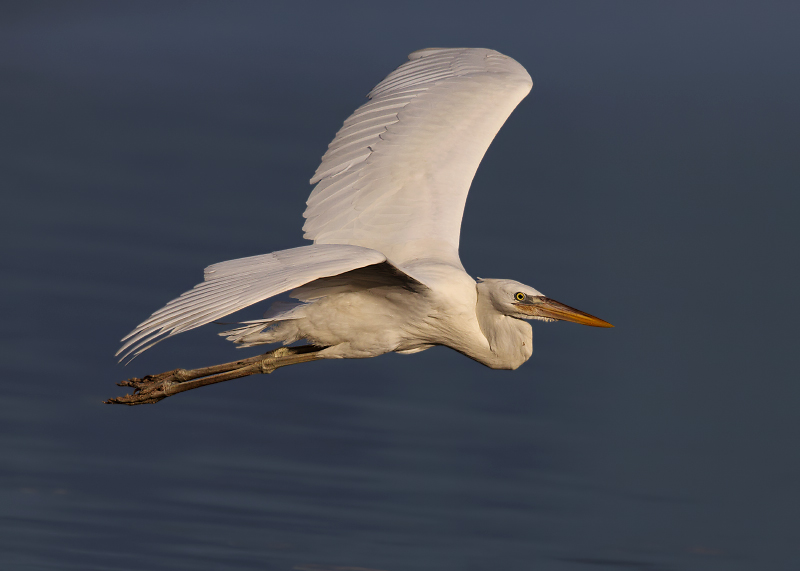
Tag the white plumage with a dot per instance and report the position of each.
(396, 176)
(236, 284)
(384, 272)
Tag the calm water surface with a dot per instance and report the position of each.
(651, 179)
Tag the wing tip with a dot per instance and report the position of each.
(425, 52)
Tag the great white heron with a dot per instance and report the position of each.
(383, 273)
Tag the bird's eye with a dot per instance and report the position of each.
(519, 296)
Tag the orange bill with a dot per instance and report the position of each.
(552, 309)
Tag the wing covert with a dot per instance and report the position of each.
(396, 176)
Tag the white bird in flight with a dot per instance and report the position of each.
(383, 273)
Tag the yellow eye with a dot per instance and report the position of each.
(519, 296)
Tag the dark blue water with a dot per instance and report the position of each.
(651, 178)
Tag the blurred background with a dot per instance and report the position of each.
(141, 142)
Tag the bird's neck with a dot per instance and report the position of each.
(510, 340)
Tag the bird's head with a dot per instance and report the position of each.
(523, 302)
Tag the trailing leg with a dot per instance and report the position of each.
(153, 388)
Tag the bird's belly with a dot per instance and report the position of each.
(365, 323)
(368, 323)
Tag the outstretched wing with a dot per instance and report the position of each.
(396, 177)
(235, 284)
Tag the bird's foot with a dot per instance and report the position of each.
(150, 388)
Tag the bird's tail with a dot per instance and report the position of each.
(277, 326)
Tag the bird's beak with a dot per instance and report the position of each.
(551, 309)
